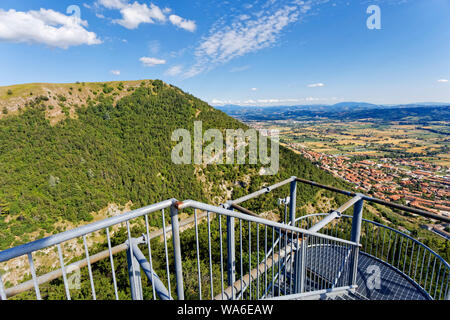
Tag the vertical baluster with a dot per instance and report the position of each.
(242, 273)
(167, 254)
(250, 258)
(33, 274)
(432, 275)
(417, 263)
(111, 260)
(273, 262)
(2, 289)
(257, 261)
(198, 256)
(63, 268)
(150, 260)
(292, 263)
(265, 258)
(410, 260)
(428, 269)
(406, 254)
(91, 279)
(210, 256)
(437, 279)
(221, 254)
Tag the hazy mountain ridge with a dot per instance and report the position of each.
(342, 111)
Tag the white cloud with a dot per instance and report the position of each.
(174, 71)
(113, 4)
(48, 27)
(315, 85)
(115, 72)
(178, 21)
(150, 62)
(244, 35)
(443, 80)
(271, 101)
(254, 89)
(135, 14)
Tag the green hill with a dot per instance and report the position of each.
(59, 174)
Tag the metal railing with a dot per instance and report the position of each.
(225, 252)
(415, 260)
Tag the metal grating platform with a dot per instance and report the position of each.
(393, 285)
(390, 285)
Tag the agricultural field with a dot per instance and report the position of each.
(368, 139)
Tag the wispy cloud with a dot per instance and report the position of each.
(443, 80)
(150, 62)
(315, 85)
(174, 71)
(240, 69)
(115, 72)
(245, 34)
(45, 26)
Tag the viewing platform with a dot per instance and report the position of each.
(229, 252)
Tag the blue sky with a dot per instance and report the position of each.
(251, 52)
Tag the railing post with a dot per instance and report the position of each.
(301, 266)
(134, 274)
(292, 202)
(177, 251)
(355, 237)
(2, 289)
(231, 261)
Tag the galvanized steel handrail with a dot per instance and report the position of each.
(379, 201)
(52, 240)
(229, 213)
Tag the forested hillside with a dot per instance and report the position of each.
(114, 151)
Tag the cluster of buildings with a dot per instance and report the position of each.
(420, 184)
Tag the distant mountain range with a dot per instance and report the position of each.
(429, 111)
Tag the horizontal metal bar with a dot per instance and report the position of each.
(379, 201)
(315, 184)
(349, 203)
(259, 192)
(408, 209)
(210, 208)
(243, 210)
(335, 214)
(322, 223)
(81, 231)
